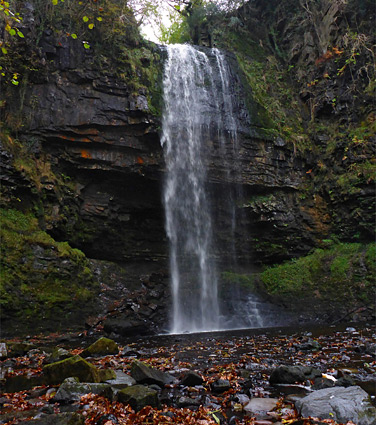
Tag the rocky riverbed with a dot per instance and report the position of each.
(258, 377)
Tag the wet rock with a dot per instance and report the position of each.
(220, 386)
(187, 401)
(129, 352)
(19, 348)
(74, 366)
(191, 378)
(105, 418)
(72, 390)
(102, 347)
(22, 382)
(121, 380)
(19, 415)
(3, 351)
(345, 381)
(321, 383)
(58, 419)
(106, 375)
(340, 404)
(58, 354)
(138, 397)
(371, 349)
(259, 407)
(310, 345)
(125, 327)
(292, 374)
(145, 374)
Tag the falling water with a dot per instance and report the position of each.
(197, 104)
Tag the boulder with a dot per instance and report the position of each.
(191, 378)
(23, 382)
(220, 386)
(58, 354)
(106, 374)
(75, 366)
(72, 390)
(121, 380)
(17, 349)
(138, 397)
(145, 374)
(102, 347)
(187, 401)
(340, 404)
(67, 418)
(259, 407)
(292, 374)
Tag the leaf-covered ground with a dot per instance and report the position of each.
(244, 358)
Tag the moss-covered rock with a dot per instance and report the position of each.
(145, 374)
(36, 284)
(138, 397)
(75, 366)
(340, 279)
(72, 390)
(102, 347)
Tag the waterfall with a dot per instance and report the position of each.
(198, 128)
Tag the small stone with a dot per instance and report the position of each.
(3, 351)
(191, 378)
(220, 386)
(187, 401)
(260, 407)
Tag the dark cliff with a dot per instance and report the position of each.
(81, 149)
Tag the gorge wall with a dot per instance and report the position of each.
(81, 151)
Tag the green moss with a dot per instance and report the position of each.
(40, 277)
(343, 272)
(231, 278)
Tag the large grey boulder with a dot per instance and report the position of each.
(340, 404)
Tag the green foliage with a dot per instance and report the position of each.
(40, 277)
(270, 87)
(341, 272)
(177, 32)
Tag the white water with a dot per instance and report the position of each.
(197, 99)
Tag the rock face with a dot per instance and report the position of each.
(93, 165)
(340, 404)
